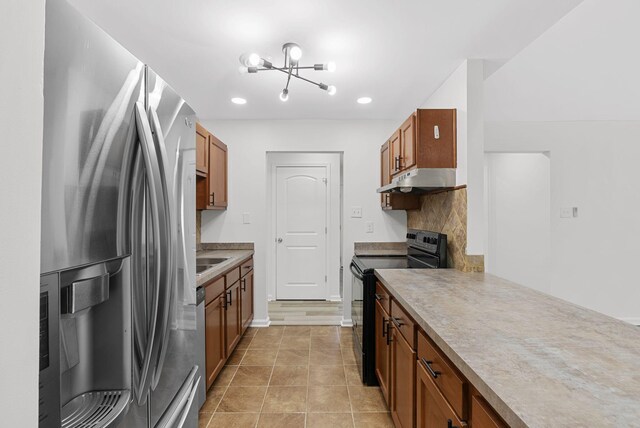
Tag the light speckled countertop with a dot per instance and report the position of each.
(539, 361)
(234, 257)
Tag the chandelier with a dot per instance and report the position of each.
(253, 63)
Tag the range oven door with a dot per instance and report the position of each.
(357, 306)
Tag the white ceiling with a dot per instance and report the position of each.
(397, 52)
(586, 67)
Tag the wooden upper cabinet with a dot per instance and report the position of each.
(202, 150)
(217, 174)
(395, 201)
(395, 148)
(408, 143)
(432, 152)
(211, 171)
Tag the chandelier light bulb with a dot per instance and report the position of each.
(284, 95)
(254, 60)
(331, 90)
(331, 66)
(295, 53)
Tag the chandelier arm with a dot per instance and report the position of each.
(307, 80)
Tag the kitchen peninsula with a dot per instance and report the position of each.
(537, 360)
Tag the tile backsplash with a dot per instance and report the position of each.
(446, 212)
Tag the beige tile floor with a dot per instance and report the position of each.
(293, 377)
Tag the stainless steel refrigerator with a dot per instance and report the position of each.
(118, 294)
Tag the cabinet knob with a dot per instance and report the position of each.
(279, 240)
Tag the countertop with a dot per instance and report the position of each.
(538, 360)
(234, 257)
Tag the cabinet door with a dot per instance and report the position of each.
(214, 338)
(385, 175)
(246, 285)
(435, 152)
(395, 152)
(432, 408)
(408, 143)
(483, 416)
(232, 314)
(382, 350)
(202, 149)
(403, 380)
(217, 174)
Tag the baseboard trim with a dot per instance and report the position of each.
(631, 320)
(261, 323)
(346, 322)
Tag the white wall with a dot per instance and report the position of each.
(250, 140)
(21, 104)
(594, 166)
(519, 199)
(464, 90)
(585, 67)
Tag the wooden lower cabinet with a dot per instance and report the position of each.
(246, 290)
(228, 313)
(214, 337)
(483, 416)
(433, 410)
(382, 350)
(233, 320)
(403, 378)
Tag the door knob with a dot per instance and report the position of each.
(279, 240)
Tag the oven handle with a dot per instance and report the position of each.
(355, 271)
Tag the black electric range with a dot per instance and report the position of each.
(425, 250)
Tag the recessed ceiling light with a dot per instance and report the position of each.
(364, 100)
(238, 100)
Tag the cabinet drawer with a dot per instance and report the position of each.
(213, 290)
(433, 410)
(383, 297)
(232, 277)
(246, 267)
(404, 323)
(483, 416)
(444, 375)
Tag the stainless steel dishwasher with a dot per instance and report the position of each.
(200, 346)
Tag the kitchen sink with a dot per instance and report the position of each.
(211, 260)
(201, 268)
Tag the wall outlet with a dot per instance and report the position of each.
(369, 228)
(246, 218)
(356, 212)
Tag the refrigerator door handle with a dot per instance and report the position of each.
(177, 412)
(169, 263)
(152, 173)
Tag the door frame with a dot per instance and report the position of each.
(333, 162)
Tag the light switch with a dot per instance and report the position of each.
(246, 218)
(369, 228)
(356, 212)
(569, 212)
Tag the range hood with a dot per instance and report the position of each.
(421, 180)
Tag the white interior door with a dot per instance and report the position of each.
(301, 232)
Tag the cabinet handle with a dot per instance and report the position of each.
(384, 327)
(396, 163)
(450, 424)
(389, 339)
(229, 301)
(397, 321)
(427, 364)
(244, 284)
(400, 162)
(211, 199)
(378, 296)
(224, 303)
